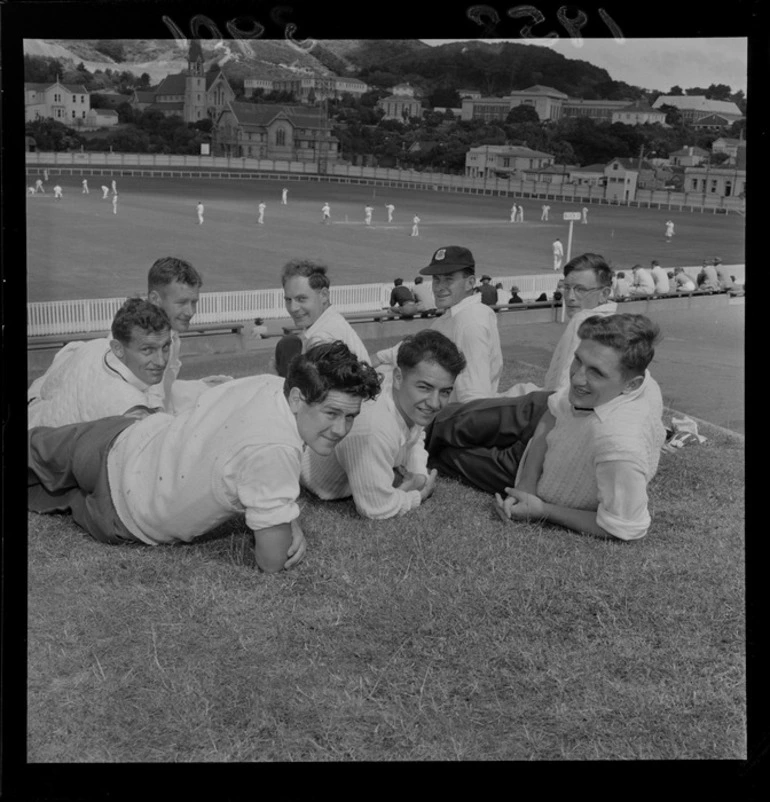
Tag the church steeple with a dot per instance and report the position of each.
(195, 58)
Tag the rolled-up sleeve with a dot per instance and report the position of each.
(622, 499)
(267, 486)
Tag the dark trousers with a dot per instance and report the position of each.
(285, 350)
(483, 441)
(67, 471)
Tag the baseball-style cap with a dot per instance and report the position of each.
(449, 259)
(717, 260)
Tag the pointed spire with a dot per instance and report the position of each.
(196, 54)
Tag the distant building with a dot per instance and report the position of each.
(690, 156)
(456, 113)
(504, 160)
(307, 87)
(622, 178)
(251, 85)
(722, 182)
(485, 108)
(638, 113)
(400, 107)
(599, 110)
(66, 103)
(713, 122)
(101, 118)
(694, 107)
(275, 131)
(473, 94)
(545, 100)
(727, 145)
(142, 98)
(405, 90)
(592, 175)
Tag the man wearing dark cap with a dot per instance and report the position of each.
(468, 323)
(487, 291)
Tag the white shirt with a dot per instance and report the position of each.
(472, 327)
(85, 381)
(660, 277)
(503, 296)
(362, 464)
(173, 394)
(604, 458)
(237, 451)
(331, 326)
(424, 294)
(558, 249)
(643, 283)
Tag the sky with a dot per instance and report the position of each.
(656, 64)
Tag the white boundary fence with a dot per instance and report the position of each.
(96, 314)
(153, 164)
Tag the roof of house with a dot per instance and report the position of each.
(106, 112)
(727, 140)
(589, 168)
(641, 105)
(173, 84)
(631, 164)
(144, 96)
(264, 113)
(697, 103)
(174, 105)
(685, 151)
(539, 89)
(559, 169)
(510, 150)
(713, 119)
(37, 87)
(41, 87)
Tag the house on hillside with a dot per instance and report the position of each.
(545, 100)
(473, 94)
(622, 178)
(504, 161)
(143, 98)
(728, 145)
(599, 110)
(274, 131)
(695, 107)
(645, 170)
(400, 107)
(66, 103)
(592, 175)
(639, 113)
(101, 118)
(553, 174)
(689, 156)
(718, 182)
(712, 122)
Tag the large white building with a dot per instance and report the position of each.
(695, 107)
(504, 160)
(66, 103)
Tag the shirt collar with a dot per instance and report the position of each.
(605, 410)
(465, 303)
(114, 365)
(390, 403)
(322, 317)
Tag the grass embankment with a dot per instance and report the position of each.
(442, 635)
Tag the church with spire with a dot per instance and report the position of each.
(193, 94)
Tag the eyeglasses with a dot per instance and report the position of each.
(578, 290)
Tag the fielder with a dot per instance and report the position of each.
(45, 175)
(39, 186)
(199, 210)
(585, 215)
(669, 230)
(368, 214)
(558, 254)
(261, 217)
(284, 196)
(520, 214)
(114, 187)
(391, 208)
(544, 215)
(115, 204)
(85, 187)
(415, 224)
(326, 212)
(513, 213)
(105, 192)
(30, 190)
(57, 192)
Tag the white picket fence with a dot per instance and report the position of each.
(96, 314)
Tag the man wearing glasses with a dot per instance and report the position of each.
(587, 288)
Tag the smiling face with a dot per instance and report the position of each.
(451, 288)
(179, 301)
(146, 354)
(421, 392)
(582, 291)
(324, 424)
(303, 303)
(596, 376)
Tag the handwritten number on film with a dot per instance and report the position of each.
(488, 19)
(241, 29)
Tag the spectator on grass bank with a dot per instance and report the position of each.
(306, 294)
(659, 277)
(726, 281)
(167, 479)
(515, 297)
(707, 278)
(621, 288)
(106, 376)
(469, 324)
(400, 296)
(423, 295)
(581, 457)
(587, 288)
(682, 282)
(488, 292)
(382, 463)
(174, 285)
(259, 329)
(643, 283)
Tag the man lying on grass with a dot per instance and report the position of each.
(389, 437)
(591, 448)
(166, 479)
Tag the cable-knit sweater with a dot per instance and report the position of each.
(603, 459)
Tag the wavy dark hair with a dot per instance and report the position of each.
(633, 336)
(141, 314)
(168, 269)
(594, 262)
(314, 272)
(430, 346)
(327, 367)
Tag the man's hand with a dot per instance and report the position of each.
(430, 485)
(213, 381)
(520, 505)
(412, 481)
(296, 552)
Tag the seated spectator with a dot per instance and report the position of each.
(682, 282)
(488, 292)
(169, 479)
(401, 296)
(581, 457)
(423, 294)
(707, 279)
(643, 283)
(107, 376)
(387, 439)
(515, 297)
(621, 286)
(659, 277)
(306, 294)
(543, 298)
(259, 329)
(558, 293)
(726, 281)
(502, 295)
(587, 286)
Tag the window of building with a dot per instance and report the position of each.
(82, 98)
(694, 183)
(615, 166)
(73, 114)
(728, 188)
(713, 185)
(280, 137)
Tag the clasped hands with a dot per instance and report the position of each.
(519, 504)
